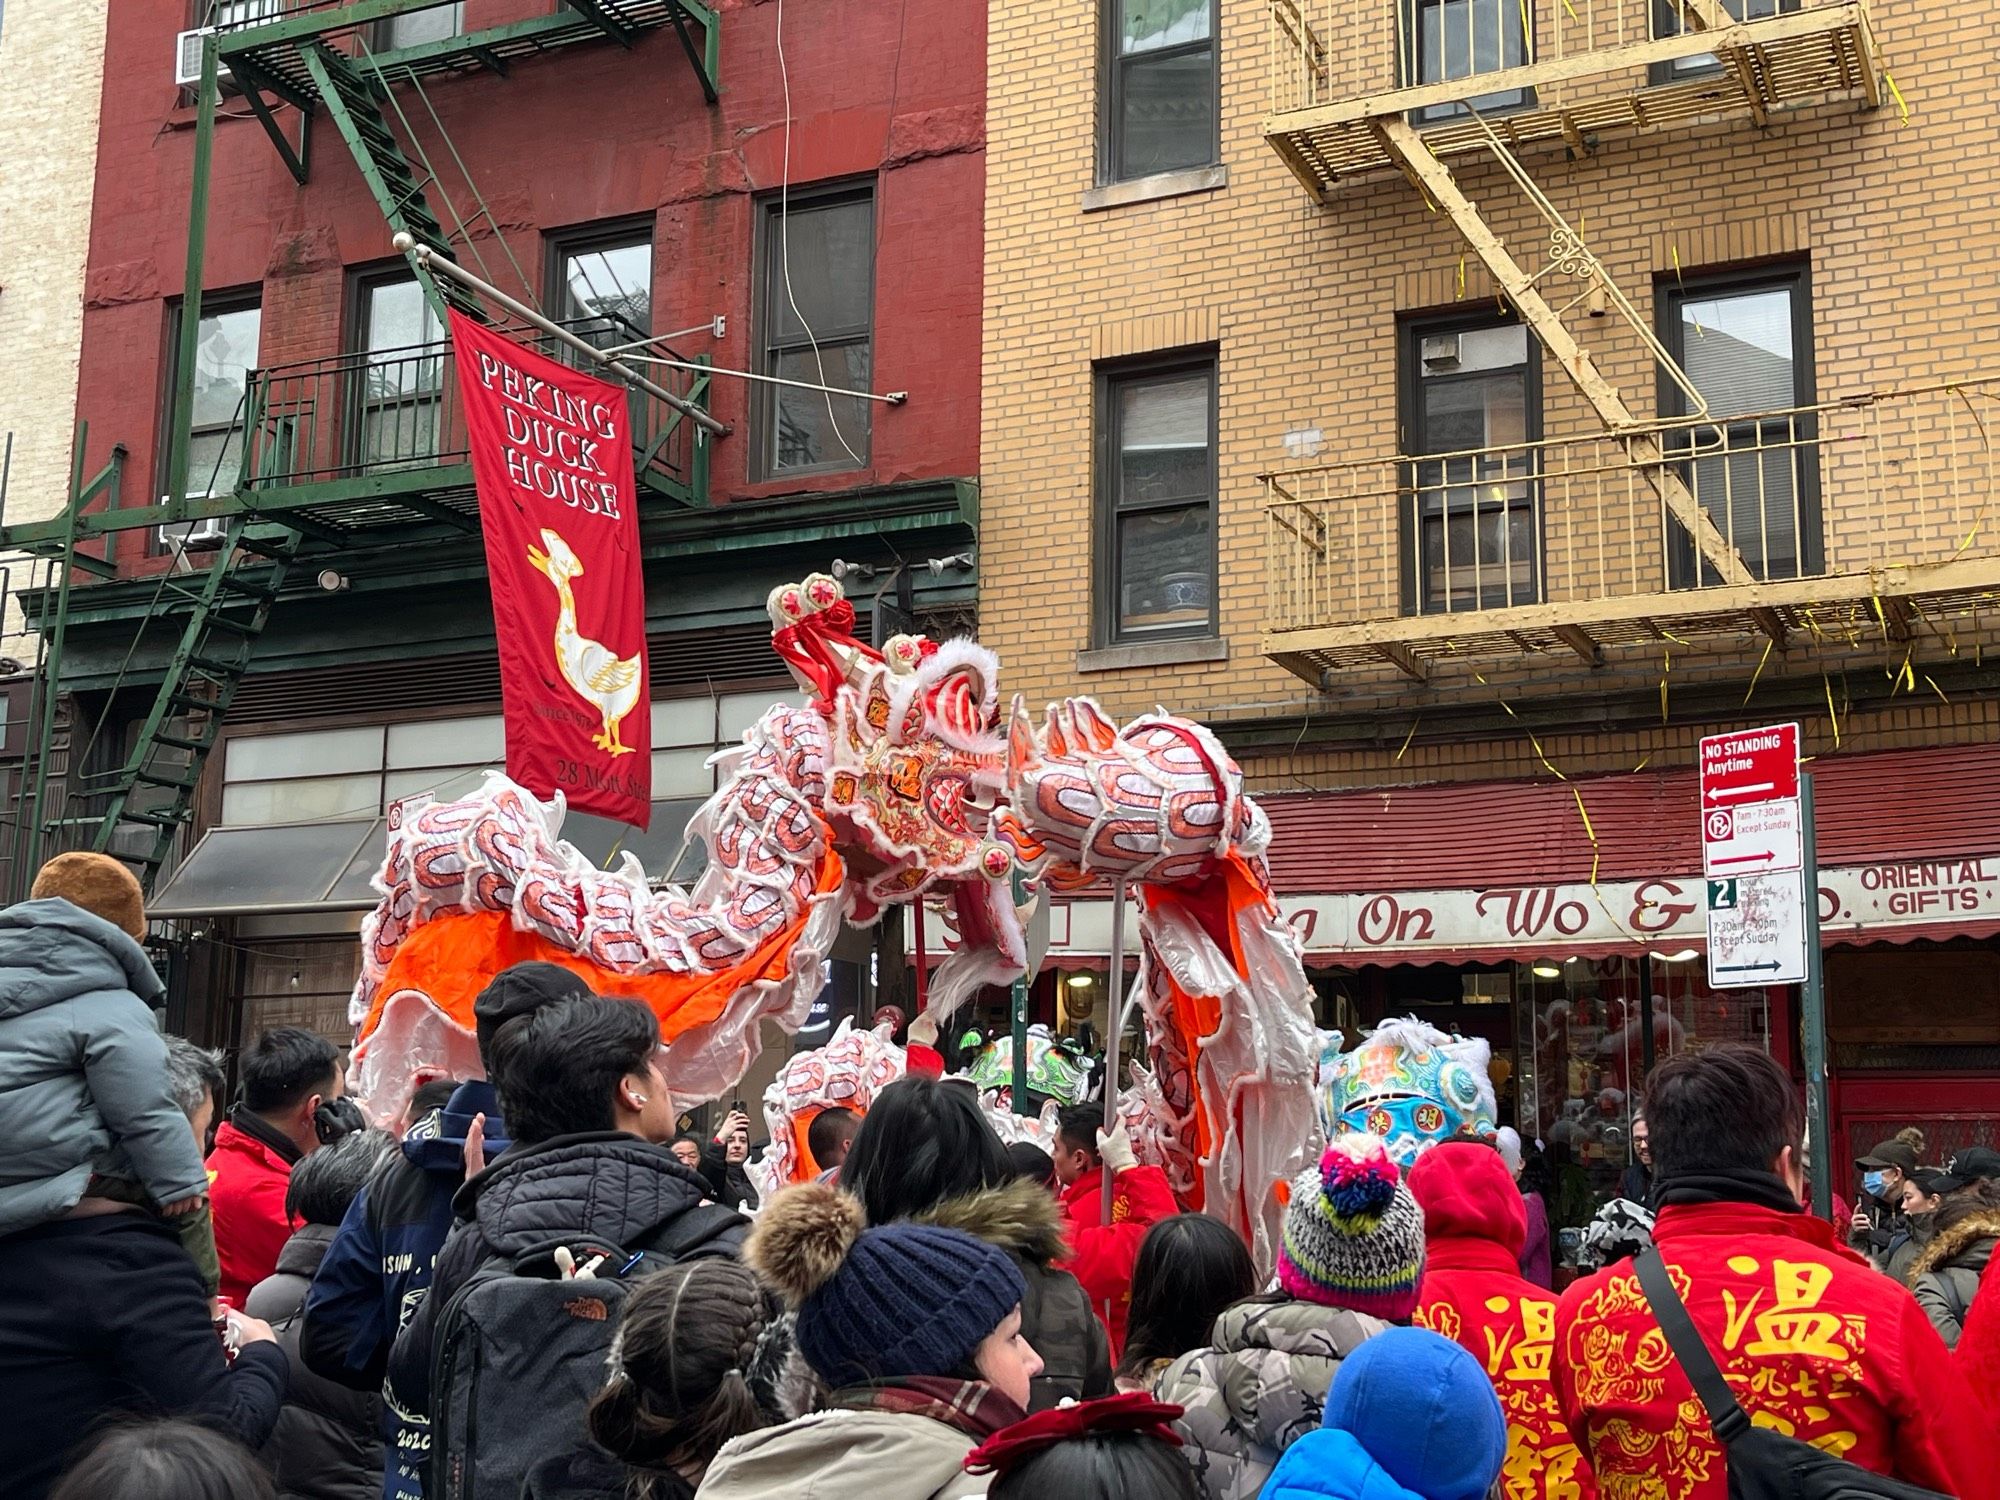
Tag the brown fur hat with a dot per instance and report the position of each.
(97, 883)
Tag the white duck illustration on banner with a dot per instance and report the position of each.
(602, 678)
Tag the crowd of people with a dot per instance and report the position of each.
(536, 1286)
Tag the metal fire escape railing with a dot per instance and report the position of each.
(1358, 86)
(1873, 517)
(337, 452)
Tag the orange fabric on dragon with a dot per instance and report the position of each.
(451, 957)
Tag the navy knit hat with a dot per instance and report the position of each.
(875, 1304)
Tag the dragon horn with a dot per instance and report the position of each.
(1022, 751)
(1057, 740)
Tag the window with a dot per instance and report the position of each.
(225, 353)
(1160, 88)
(402, 374)
(439, 23)
(355, 772)
(1471, 534)
(242, 12)
(1447, 39)
(1667, 22)
(601, 284)
(1156, 501)
(818, 271)
(1746, 343)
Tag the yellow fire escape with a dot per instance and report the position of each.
(1362, 88)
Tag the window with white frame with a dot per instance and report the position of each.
(355, 772)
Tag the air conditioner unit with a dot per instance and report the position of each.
(187, 58)
(192, 536)
(1439, 351)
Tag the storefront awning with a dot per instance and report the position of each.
(280, 868)
(1498, 872)
(283, 867)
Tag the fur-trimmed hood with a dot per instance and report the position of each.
(1020, 1216)
(1969, 1243)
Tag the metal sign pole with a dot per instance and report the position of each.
(1813, 1019)
(1018, 893)
(1114, 1016)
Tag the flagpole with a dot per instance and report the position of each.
(432, 261)
(1114, 1016)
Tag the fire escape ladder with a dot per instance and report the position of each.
(355, 103)
(150, 798)
(1570, 256)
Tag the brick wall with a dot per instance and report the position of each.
(52, 52)
(1891, 214)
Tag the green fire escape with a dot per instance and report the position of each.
(316, 478)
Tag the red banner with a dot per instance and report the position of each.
(552, 461)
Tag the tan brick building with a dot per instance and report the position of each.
(1248, 264)
(53, 52)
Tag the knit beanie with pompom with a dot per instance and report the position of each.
(877, 1304)
(1354, 1237)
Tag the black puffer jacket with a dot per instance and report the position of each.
(328, 1442)
(1024, 1219)
(601, 1186)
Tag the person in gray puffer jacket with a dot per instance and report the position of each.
(1947, 1274)
(328, 1441)
(84, 1092)
(1351, 1265)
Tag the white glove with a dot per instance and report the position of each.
(1116, 1149)
(923, 1031)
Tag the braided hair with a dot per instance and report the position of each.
(704, 1354)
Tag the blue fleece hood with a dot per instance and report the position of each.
(53, 950)
(437, 1141)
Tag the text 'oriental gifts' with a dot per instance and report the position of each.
(552, 461)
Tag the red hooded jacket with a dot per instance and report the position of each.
(247, 1180)
(1102, 1255)
(1815, 1343)
(1475, 1224)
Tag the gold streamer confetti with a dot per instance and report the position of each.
(1768, 644)
(1461, 261)
(1936, 689)
(1410, 736)
(1831, 715)
(1894, 92)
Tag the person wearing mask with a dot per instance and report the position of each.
(916, 1333)
(589, 1114)
(1537, 1189)
(1947, 1274)
(1635, 1184)
(104, 1317)
(1190, 1267)
(1410, 1417)
(379, 1265)
(1924, 1192)
(926, 1153)
(1812, 1341)
(1474, 1294)
(286, 1079)
(328, 1441)
(1102, 1250)
(1538, 1253)
(722, 1162)
(85, 1108)
(166, 1461)
(829, 1138)
(1350, 1265)
(1121, 1447)
(426, 1100)
(1879, 1213)
(705, 1353)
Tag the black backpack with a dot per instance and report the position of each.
(518, 1352)
(1763, 1464)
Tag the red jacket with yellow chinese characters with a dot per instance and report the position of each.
(1102, 1255)
(1475, 1223)
(1814, 1343)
